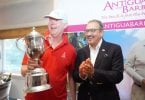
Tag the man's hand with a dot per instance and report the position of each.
(86, 69)
(82, 72)
(89, 67)
(32, 64)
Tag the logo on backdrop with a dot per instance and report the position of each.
(125, 5)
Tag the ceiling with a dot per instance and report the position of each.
(23, 13)
(4, 3)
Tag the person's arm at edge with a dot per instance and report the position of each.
(72, 86)
(130, 64)
(24, 67)
(24, 70)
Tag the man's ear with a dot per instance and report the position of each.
(101, 33)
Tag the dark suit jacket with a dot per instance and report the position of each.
(108, 72)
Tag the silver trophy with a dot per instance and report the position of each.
(36, 80)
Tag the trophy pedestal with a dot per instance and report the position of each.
(37, 80)
(38, 88)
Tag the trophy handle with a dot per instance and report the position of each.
(17, 44)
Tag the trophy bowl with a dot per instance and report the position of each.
(36, 80)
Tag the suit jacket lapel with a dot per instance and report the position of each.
(87, 51)
(101, 54)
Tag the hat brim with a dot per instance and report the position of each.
(48, 16)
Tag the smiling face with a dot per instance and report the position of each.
(56, 27)
(93, 33)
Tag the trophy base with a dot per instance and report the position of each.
(38, 88)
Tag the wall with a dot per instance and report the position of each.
(17, 87)
(24, 13)
(20, 32)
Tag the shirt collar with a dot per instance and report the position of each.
(97, 46)
(65, 39)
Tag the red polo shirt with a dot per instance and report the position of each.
(57, 62)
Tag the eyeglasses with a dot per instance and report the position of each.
(91, 30)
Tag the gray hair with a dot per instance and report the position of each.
(99, 22)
